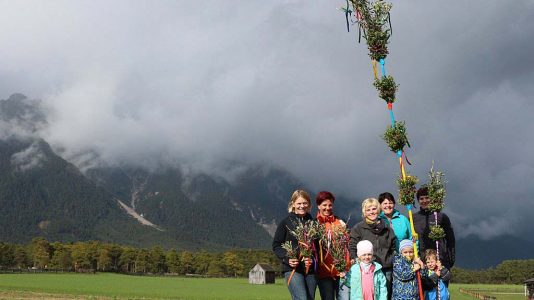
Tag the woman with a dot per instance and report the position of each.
(328, 278)
(373, 229)
(302, 284)
(393, 218)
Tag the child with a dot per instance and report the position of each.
(366, 278)
(404, 268)
(435, 277)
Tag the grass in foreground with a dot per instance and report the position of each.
(139, 287)
(116, 286)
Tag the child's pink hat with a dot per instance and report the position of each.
(364, 247)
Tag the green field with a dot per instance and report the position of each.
(504, 291)
(115, 286)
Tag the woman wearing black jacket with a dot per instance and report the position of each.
(302, 285)
(383, 238)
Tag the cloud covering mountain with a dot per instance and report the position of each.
(282, 82)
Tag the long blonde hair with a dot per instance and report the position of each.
(298, 194)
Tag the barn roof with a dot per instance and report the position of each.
(266, 267)
(531, 280)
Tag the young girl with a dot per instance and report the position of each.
(404, 268)
(435, 277)
(366, 278)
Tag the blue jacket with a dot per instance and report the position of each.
(404, 280)
(379, 279)
(400, 225)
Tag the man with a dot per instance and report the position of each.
(423, 219)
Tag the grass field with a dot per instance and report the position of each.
(115, 286)
(504, 292)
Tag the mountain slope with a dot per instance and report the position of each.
(43, 195)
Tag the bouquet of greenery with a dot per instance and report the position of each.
(291, 252)
(407, 189)
(395, 136)
(436, 233)
(436, 193)
(306, 233)
(386, 88)
(337, 243)
(373, 20)
(436, 190)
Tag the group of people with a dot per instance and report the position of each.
(381, 259)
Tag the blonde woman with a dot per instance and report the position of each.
(373, 229)
(302, 285)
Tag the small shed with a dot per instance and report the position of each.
(261, 274)
(529, 288)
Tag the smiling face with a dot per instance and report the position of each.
(387, 207)
(366, 258)
(301, 206)
(371, 212)
(431, 263)
(424, 201)
(325, 208)
(407, 252)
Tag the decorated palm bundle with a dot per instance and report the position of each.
(336, 240)
(395, 137)
(373, 18)
(291, 252)
(436, 233)
(407, 189)
(436, 190)
(436, 193)
(306, 233)
(386, 88)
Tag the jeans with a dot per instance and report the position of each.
(301, 287)
(389, 282)
(330, 289)
(343, 292)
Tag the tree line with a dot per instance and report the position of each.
(108, 257)
(507, 272)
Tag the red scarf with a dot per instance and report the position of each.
(325, 219)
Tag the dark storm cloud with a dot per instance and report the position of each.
(283, 82)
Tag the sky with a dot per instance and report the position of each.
(283, 83)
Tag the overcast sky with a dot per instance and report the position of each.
(284, 83)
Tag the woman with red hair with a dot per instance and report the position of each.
(328, 278)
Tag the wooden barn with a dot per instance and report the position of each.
(261, 274)
(529, 288)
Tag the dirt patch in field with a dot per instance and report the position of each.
(20, 295)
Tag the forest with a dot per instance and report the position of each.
(93, 256)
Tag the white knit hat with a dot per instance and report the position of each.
(405, 244)
(364, 247)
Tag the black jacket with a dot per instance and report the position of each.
(382, 237)
(282, 235)
(422, 220)
(430, 280)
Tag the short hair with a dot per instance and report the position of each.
(385, 196)
(323, 196)
(422, 191)
(431, 253)
(298, 194)
(369, 202)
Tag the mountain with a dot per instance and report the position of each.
(195, 207)
(42, 194)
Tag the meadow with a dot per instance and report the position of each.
(116, 286)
